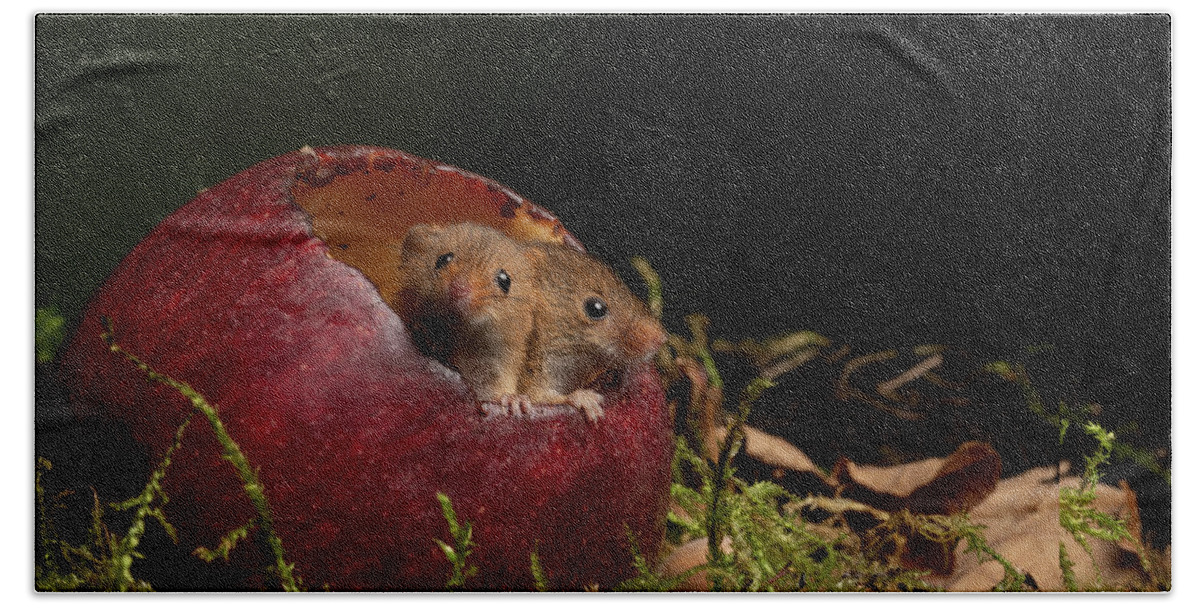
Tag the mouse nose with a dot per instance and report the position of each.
(462, 295)
(644, 339)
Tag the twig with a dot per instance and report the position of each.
(888, 388)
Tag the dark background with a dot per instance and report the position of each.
(992, 183)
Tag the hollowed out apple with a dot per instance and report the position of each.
(266, 294)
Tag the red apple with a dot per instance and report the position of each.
(266, 294)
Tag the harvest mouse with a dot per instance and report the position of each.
(467, 294)
(587, 322)
(523, 324)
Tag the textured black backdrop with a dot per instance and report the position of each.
(989, 182)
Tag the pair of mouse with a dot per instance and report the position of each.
(523, 323)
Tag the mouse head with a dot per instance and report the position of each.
(596, 310)
(465, 271)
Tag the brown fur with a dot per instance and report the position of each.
(535, 344)
(458, 314)
(570, 350)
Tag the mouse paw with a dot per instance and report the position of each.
(515, 405)
(589, 402)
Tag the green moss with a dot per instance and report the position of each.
(49, 330)
(106, 564)
(540, 582)
(1065, 415)
(458, 552)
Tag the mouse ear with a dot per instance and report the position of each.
(419, 236)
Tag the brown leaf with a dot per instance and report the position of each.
(689, 555)
(932, 486)
(774, 450)
(1021, 523)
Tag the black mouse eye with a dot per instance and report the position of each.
(503, 281)
(595, 308)
(442, 261)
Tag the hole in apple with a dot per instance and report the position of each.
(363, 206)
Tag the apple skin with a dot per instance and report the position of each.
(352, 430)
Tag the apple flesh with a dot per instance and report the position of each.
(267, 295)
